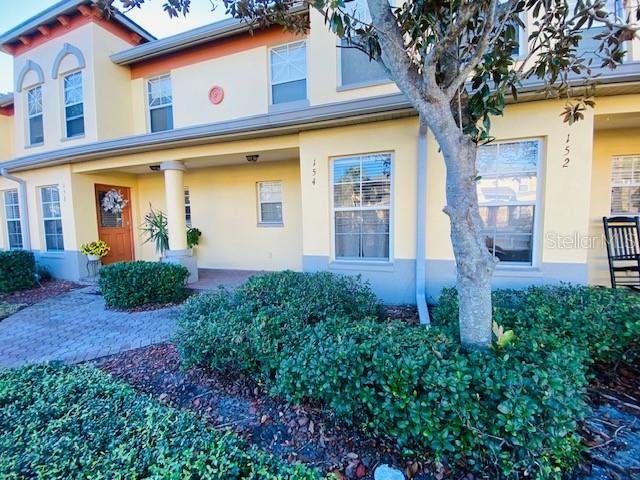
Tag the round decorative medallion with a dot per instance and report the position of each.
(216, 95)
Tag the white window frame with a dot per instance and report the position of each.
(30, 116)
(621, 184)
(45, 219)
(65, 105)
(8, 219)
(187, 207)
(523, 39)
(260, 202)
(164, 105)
(362, 260)
(537, 208)
(306, 73)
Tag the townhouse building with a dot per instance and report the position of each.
(289, 152)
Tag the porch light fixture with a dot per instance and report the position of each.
(154, 168)
(252, 158)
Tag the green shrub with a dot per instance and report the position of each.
(311, 297)
(76, 422)
(212, 332)
(507, 411)
(604, 321)
(503, 412)
(133, 284)
(17, 270)
(247, 329)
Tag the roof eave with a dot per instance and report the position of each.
(61, 8)
(190, 38)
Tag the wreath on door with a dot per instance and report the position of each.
(114, 201)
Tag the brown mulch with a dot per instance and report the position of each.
(612, 432)
(297, 433)
(48, 289)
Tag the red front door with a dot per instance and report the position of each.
(115, 228)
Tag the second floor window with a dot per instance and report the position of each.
(34, 115)
(73, 105)
(356, 67)
(160, 103)
(289, 73)
(12, 211)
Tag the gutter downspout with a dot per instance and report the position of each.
(24, 211)
(421, 280)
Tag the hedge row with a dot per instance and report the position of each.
(321, 338)
(602, 321)
(17, 270)
(133, 284)
(77, 422)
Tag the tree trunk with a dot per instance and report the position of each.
(474, 263)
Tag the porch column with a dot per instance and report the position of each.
(176, 223)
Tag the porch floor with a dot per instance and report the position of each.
(212, 278)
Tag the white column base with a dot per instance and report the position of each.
(184, 258)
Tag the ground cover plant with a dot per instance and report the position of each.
(126, 285)
(77, 422)
(512, 409)
(7, 309)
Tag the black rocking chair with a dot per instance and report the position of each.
(622, 235)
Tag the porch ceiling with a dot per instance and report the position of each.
(278, 155)
(617, 121)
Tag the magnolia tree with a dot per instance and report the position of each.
(455, 62)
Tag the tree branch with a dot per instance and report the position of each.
(480, 51)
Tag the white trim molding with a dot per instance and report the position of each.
(67, 49)
(29, 66)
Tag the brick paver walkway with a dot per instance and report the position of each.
(75, 327)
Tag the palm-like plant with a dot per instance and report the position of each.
(155, 230)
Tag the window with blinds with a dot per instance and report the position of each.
(270, 202)
(362, 207)
(160, 102)
(12, 214)
(625, 185)
(187, 207)
(289, 72)
(507, 194)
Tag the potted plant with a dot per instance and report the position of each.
(95, 250)
(155, 230)
(193, 237)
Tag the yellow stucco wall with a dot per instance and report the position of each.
(114, 106)
(324, 78)
(564, 192)
(606, 145)
(224, 208)
(106, 90)
(52, 91)
(60, 176)
(318, 147)
(6, 137)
